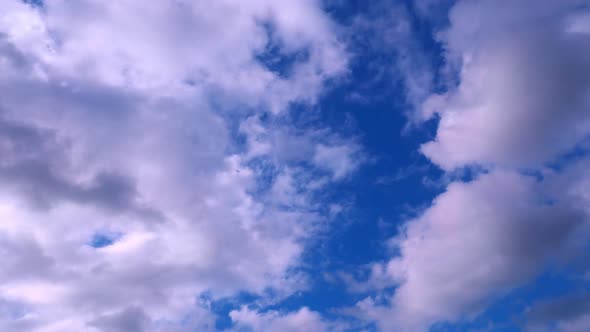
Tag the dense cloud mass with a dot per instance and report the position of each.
(121, 201)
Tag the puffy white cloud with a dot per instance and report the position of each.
(111, 122)
(521, 100)
(477, 241)
(522, 96)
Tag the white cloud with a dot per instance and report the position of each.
(301, 320)
(521, 101)
(212, 46)
(340, 160)
(110, 123)
(477, 241)
(523, 94)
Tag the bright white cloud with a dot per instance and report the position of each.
(524, 83)
(477, 241)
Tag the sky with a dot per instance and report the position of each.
(294, 165)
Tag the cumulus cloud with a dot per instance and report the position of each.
(522, 98)
(477, 241)
(148, 158)
(521, 101)
(116, 119)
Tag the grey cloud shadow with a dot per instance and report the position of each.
(32, 163)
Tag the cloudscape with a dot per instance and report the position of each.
(294, 165)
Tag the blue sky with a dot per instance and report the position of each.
(305, 165)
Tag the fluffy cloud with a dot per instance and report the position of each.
(522, 98)
(477, 241)
(115, 124)
(212, 46)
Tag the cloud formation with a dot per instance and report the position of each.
(520, 101)
(477, 241)
(116, 118)
(522, 97)
(157, 158)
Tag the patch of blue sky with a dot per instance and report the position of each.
(372, 107)
(369, 108)
(276, 58)
(104, 239)
(36, 3)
